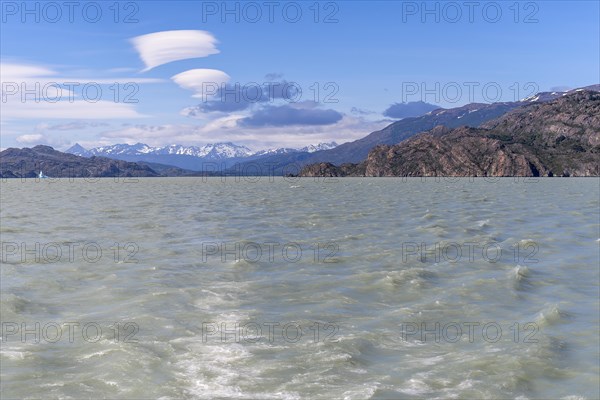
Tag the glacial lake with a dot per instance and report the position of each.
(348, 288)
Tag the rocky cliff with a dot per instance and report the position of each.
(558, 138)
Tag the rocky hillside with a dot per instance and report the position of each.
(474, 115)
(28, 162)
(559, 138)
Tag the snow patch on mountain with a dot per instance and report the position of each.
(321, 146)
(213, 151)
(307, 149)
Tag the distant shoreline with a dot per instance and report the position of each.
(316, 178)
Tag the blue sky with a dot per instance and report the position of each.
(362, 56)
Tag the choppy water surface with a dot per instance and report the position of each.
(337, 288)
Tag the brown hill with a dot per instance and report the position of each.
(558, 138)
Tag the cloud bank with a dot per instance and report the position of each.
(291, 114)
(410, 109)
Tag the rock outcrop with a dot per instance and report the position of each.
(558, 138)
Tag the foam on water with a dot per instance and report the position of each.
(375, 296)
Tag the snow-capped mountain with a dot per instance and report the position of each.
(548, 96)
(197, 158)
(281, 150)
(216, 151)
(307, 149)
(321, 146)
(121, 149)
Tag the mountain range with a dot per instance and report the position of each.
(559, 137)
(473, 115)
(549, 134)
(282, 161)
(189, 157)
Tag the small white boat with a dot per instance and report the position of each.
(41, 175)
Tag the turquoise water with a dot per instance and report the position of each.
(300, 288)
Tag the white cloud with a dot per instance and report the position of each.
(199, 80)
(227, 122)
(120, 70)
(10, 72)
(34, 138)
(167, 46)
(225, 129)
(31, 92)
(111, 81)
(18, 77)
(73, 125)
(79, 109)
(32, 74)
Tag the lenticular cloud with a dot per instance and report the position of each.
(164, 47)
(201, 80)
